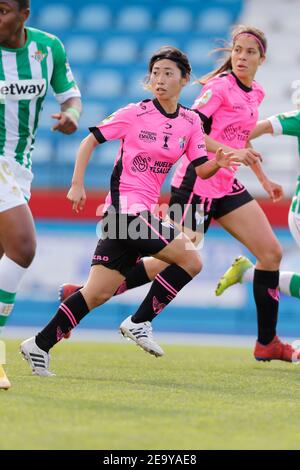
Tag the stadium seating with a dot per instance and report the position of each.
(55, 16)
(94, 18)
(134, 18)
(119, 51)
(105, 84)
(82, 49)
(215, 20)
(175, 19)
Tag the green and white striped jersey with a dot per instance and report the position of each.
(289, 124)
(25, 76)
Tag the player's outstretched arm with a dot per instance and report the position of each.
(222, 160)
(261, 128)
(274, 190)
(246, 156)
(68, 117)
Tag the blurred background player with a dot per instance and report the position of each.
(228, 107)
(242, 269)
(30, 61)
(134, 191)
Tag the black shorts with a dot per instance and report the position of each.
(126, 238)
(197, 211)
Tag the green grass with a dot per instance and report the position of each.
(108, 396)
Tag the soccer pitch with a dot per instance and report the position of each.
(111, 396)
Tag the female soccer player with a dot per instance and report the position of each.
(228, 106)
(242, 269)
(154, 134)
(30, 61)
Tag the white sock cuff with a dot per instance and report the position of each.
(248, 275)
(11, 274)
(285, 281)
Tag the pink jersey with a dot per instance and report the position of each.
(231, 110)
(151, 142)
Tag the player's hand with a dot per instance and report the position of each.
(274, 190)
(226, 159)
(76, 195)
(66, 124)
(248, 156)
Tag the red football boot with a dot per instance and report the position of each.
(276, 350)
(66, 290)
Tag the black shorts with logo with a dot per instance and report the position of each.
(126, 238)
(198, 210)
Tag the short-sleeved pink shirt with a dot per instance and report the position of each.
(151, 142)
(233, 108)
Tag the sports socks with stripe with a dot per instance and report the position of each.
(289, 282)
(164, 289)
(69, 314)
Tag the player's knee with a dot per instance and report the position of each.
(25, 253)
(272, 256)
(153, 267)
(99, 298)
(192, 264)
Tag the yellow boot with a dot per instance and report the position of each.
(234, 274)
(4, 382)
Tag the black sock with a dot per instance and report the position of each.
(266, 295)
(136, 277)
(69, 314)
(164, 289)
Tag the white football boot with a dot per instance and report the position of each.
(37, 358)
(141, 334)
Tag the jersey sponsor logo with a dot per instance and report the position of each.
(145, 112)
(231, 133)
(39, 56)
(238, 107)
(147, 136)
(101, 258)
(22, 89)
(166, 139)
(186, 116)
(204, 99)
(161, 167)
(140, 162)
(168, 126)
(182, 141)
